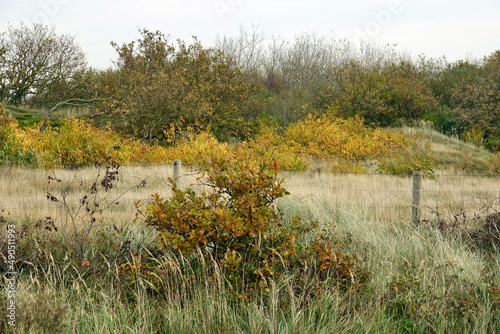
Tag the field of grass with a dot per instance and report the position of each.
(379, 197)
(456, 156)
(442, 276)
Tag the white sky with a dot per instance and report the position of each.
(455, 29)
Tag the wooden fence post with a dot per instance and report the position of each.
(417, 197)
(177, 167)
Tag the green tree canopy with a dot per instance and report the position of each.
(157, 85)
(476, 99)
(383, 94)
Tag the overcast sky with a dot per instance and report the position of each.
(455, 29)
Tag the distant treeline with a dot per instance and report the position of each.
(246, 80)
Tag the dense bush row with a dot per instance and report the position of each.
(374, 82)
(348, 143)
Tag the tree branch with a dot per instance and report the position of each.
(72, 102)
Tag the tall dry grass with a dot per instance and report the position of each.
(380, 197)
(386, 198)
(24, 190)
(422, 278)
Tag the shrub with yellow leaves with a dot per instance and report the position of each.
(348, 142)
(236, 224)
(75, 143)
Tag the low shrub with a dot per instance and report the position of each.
(487, 237)
(443, 119)
(415, 157)
(236, 225)
(418, 304)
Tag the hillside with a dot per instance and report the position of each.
(456, 155)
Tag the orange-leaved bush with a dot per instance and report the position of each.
(233, 214)
(235, 223)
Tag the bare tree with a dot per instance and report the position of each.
(247, 49)
(307, 62)
(35, 59)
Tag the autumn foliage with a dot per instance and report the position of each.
(235, 223)
(351, 146)
(75, 143)
(157, 84)
(348, 144)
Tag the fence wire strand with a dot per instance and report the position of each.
(313, 179)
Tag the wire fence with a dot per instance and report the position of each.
(25, 191)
